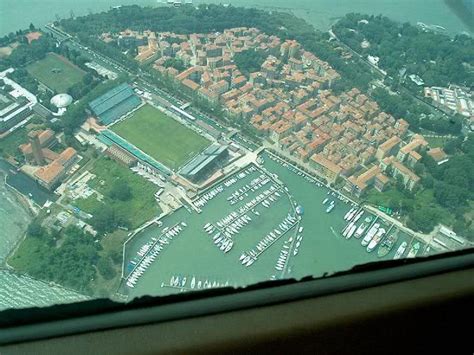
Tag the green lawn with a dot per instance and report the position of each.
(161, 137)
(56, 72)
(139, 209)
(26, 254)
(9, 144)
(436, 142)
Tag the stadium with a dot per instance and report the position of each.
(114, 104)
(158, 142)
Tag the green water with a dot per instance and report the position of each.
(193, 253)
(16, 14)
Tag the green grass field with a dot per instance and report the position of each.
(56, 72)
(161, 137)
(139, 209)
(436, 142)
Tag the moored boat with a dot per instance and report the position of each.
(414, 250)
(401, 249)
(330, 208)
(387, 244)
(363, 226)
(351, 232)
(370, 234)
(376, 240)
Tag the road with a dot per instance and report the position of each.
(426, 238)
(143, 82)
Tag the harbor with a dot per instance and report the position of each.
(267, 221)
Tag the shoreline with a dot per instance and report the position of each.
(30, 212)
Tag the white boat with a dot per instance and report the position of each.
(229, 247)
(348, 214)
(330, 208)
(207, 226)
(300, 230)
(357, 217)
(370, 234)
(400, 251)
(360, 230)
(250, 262)
(376, 240)
(224, 245)
(295, 251)
(351, 232)
(347, 229)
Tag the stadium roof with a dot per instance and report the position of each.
(196, 165)
(115, 103)
(108, 137)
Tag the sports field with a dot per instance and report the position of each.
(56, 72)
(160, 136)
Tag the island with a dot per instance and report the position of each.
(172, 149)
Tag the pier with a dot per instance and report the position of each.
(149, 250)
(272, 242)
(290, 250)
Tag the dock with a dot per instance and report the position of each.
(272, 242)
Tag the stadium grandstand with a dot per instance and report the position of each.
(109, 139)
(205, 163)
(115, 103)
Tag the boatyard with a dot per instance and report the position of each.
(253, 226)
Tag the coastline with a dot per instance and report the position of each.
(30, 212)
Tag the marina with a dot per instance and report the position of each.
(262, 223)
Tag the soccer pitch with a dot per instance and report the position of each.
(160, 136)
(56, 72)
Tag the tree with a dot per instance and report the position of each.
(35, 229)
(249, 61)
(106, 269)
(103, 219)
(120, 191)
(423, 219)
(32, 27)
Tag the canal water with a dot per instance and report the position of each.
(18, 14)
(192, 254)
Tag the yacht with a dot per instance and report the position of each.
(330, 208)
(376, 240)
(414, 250)
(400, 251)
(351, 232)
(347, 229)
(370, 234)
(363, 226)
(348, 215)
(250, 262)
(357, 217)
